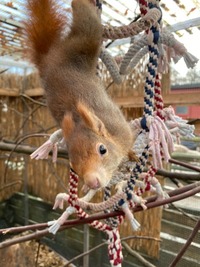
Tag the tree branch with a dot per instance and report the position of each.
(175, 195)
(189, 166)
(178, 175)
(105, 243)
(25, 149)
(186, 245)
(137, 255)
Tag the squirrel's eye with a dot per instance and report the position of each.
(102, 149)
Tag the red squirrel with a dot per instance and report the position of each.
(96, 133)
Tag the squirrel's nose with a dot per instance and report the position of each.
(92, 180)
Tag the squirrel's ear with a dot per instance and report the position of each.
(91, 120)
(67, 125)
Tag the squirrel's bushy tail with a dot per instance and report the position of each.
(44, 27)
(47, 19)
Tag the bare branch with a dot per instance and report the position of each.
(33, 100)
(63, 154)
(189, 166)
(178, 175)
(186, 245)
(192, 217)
(137, 255)
(105, 243)
(25, 149)
(175, 195)
(10, 184)
(58, 178)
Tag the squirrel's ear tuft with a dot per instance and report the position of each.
(91, 120)
(67, 125)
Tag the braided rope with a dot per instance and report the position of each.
(148, 98)
(114, 242)
(113, 33)
(135, 174)
(152, 71)
(111, 65)
(135, 52)
(158, 97)
(133, 49)
(154, 81)
(129, 61)
(106, 204)
(151, 78)
(143, 7)
(113, 222)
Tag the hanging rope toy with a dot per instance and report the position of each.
(154, 134)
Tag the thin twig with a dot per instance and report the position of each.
(192, 217)
(58, 178)
(2, 71)
(25, 238)
(140, 237)
(186, 245)
(20, 229)
(108, 86)
(46, 130)
(187, 165)
(105, 243)
(15, 146)
(37, 255)
(14, 110)
(26, 149)
(179, 175)
(137, 255)
(176, 182)
(33, 100)
(84, 254)
(10, 184)
(27, 118)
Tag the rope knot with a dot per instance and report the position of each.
(161, 142)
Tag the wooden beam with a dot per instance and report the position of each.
(34, 92)
(184, 25)
(16, 92)
(186, 98)
(9, 92)
(171, 99)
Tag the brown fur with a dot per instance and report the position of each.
(75, 96)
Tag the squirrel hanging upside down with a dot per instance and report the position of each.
(97, 135)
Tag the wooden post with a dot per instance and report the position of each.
(86, 244)
(25, 171)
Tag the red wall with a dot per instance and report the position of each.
(193, 112)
